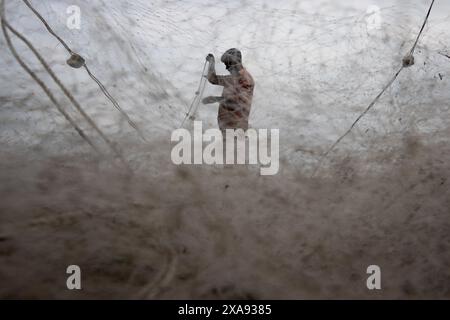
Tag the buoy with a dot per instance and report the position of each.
(76, 61)
(408, 60)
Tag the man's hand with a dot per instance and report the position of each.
(209, 100)
(210, 58)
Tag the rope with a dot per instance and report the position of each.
(101, 86)
(66, 92)
(411, 52)
(47, 26)
(198, 96)
(421, 29)
(322, 158)
(47, 91)
(5, 24)
(115, 103)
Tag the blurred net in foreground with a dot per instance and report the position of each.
(381, 197)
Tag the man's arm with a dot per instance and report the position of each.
(212, 76)
(209, 100)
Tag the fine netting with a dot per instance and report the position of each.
(318, 66)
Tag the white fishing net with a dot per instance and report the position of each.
(317, 66)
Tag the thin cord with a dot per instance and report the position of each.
(47, 26)
(47, 91)
(66, 92)
(376, 98)
(357, 120)
(114, 102)
(421, 29)
(198, 95)
(102, 87)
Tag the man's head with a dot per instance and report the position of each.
(232, 59)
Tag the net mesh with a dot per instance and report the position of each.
(317, 66)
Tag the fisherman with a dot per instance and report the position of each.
(236, 99)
